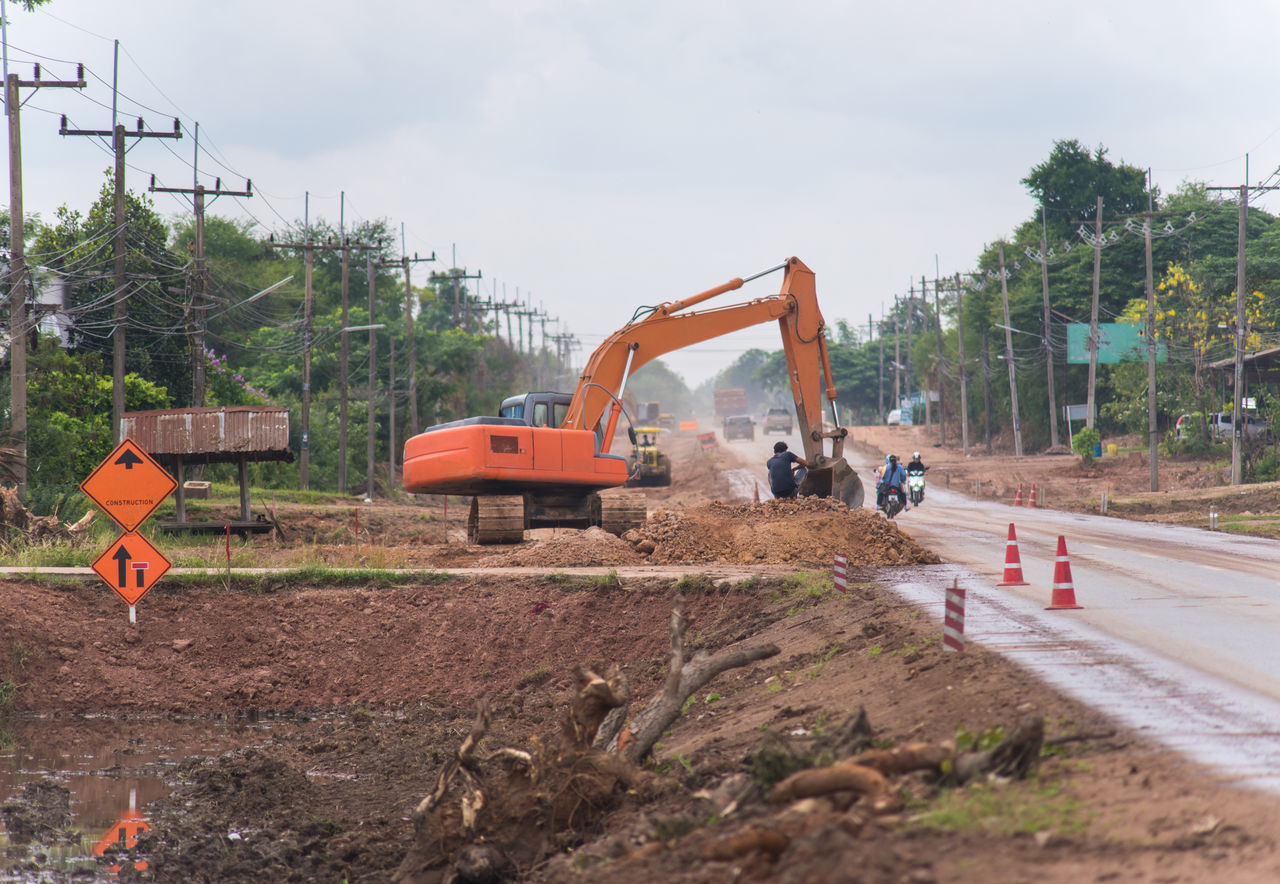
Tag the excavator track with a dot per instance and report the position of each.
(620, 513)
(496, 519)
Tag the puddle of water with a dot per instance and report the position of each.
(114, 768)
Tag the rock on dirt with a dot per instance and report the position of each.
(805, 531)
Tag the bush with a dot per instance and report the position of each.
(1084, 442)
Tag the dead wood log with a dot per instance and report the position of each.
(904, 759)
(1013, 757)
(597, 696)
(843, 777)
(636, 740)
(473, 797)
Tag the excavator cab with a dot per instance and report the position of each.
(537, 409)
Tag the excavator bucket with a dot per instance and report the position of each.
(833, 478)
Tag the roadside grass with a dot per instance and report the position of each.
(262, 584)
(1267, 525)
(1009, 808)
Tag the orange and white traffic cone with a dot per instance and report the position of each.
(1064, 593)
(1031, 501)
(1017, 498)
(1012, 562)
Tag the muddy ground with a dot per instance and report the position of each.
(390, 671)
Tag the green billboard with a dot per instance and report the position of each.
(1117, 342)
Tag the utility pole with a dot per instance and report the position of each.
(308, 247)
(880, 389)
(118, 134)
(406, 262)
(1238, 421)
(1045, 257)
(897, 356)
(1093, 314)
(911, 309)
(371, 277)
(964, 368)
(197, 324)
(937, 370)
(18, 278)
(1153, 436)
(1008, 357)
(928, 408)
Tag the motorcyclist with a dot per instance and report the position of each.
(916, 465)
(894, 476)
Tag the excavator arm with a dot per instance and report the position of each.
(667, 327)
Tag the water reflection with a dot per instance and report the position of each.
(112, 768)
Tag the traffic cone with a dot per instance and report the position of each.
(1017, 498)
(1012, 562)
(1031, 501)
(1064, 594)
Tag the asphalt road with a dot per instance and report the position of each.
(1178, 636)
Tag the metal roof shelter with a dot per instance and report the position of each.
(1261, 367)
(181, 437)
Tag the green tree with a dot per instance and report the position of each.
(69, 397)
(80, 250)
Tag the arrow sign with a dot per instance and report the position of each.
(131, 552)
(128, 495)
(128, 459)
(122, 556)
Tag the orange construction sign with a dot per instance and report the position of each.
(129, 485)
(131, 566)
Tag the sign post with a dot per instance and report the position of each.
(129, 486)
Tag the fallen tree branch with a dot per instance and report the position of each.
(635, 741)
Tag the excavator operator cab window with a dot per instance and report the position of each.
(512, 409)
(539, 415)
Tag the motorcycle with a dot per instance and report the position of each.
(892, 502)
(915, 486)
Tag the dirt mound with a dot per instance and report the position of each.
(595, 546)
(804, 531)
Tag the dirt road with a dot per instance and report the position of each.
(1183, 618)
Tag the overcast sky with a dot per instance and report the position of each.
(602, 154)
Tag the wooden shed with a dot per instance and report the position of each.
(182, 437)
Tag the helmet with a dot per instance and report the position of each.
(915, 455)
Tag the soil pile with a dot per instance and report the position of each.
(807, 531)
(595, 546)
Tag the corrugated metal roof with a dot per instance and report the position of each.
(211, 435)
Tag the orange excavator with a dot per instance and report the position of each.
(543, 460)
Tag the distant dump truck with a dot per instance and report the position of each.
(730, 401)
(648, 413)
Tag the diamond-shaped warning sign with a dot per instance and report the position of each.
(131, 566)
(129, 485)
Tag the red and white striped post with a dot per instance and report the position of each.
(953, 619)
(840, 573)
